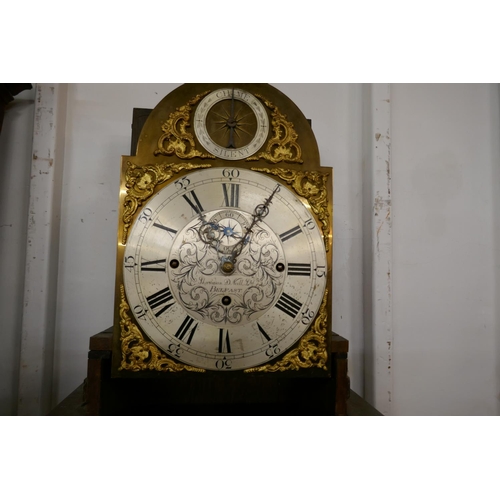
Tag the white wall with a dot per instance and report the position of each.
(445, 179)
(443, 241)
(15, 160)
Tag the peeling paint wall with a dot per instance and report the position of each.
(377, 247)
(41, 267)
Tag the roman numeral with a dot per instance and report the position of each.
(184, 328)
(264, 334)
(154, 265)
(295, 269)
(224, 341)
(165, 228)
(193, 201)
(290, 233)
(288, 305)
(159, 299)
(231, 194)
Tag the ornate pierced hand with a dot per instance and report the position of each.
(259, 213)
(210, 233)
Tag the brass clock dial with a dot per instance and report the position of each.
(224, 264)
(225, 269)
(231, 123)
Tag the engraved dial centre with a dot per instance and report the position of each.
(216, 290)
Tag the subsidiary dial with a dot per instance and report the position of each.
(231, 124)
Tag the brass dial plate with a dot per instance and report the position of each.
(182, 298)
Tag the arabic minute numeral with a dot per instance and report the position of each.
(175, 350)
(309, 224)
(272, 350)
(307, 316)
(223, 364)
(129, 263)
(320, 271)
(231, 173)
(139, 312)
(182, 183)
(145, 215)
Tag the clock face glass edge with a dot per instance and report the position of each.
(175, 283)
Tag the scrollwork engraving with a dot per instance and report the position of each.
(200, 284)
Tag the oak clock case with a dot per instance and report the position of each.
(224, 241)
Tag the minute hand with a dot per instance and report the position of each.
(259, 213)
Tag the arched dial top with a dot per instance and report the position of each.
(231, 123)
(225, 269)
